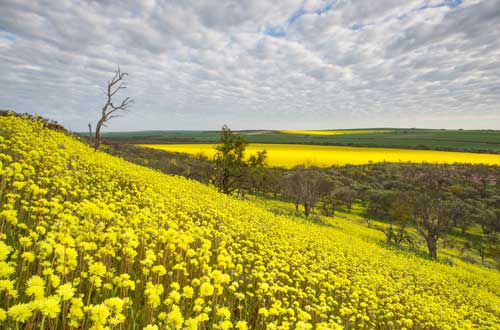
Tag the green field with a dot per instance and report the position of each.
(457, 140)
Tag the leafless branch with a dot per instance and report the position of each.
(114, 86)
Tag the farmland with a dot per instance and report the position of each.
(484, 141)
(289, 155)
(335, 132)
(92, 241)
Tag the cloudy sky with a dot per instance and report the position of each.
(196, 64)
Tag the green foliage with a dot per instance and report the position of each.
(232, 171)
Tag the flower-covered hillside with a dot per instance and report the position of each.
(90, 241)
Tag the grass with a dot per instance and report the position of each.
(289, 155)
(355, 222)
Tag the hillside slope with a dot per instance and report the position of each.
(91, 241)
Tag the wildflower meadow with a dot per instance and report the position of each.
(90, 241)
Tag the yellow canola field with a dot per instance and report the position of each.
(335, 132)
(289, 155)
(90, 241)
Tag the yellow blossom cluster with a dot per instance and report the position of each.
(90, 241)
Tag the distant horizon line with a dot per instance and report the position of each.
(288, 129)
(6, 110)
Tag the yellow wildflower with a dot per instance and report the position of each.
(75, 312)
(66, 291)
(150, 327)
(99, 315)
(241, 325)
(174, 318)
(188, 292)
(224, 312)
(50, 307)
(36, 287)
(206, 289)
(28, 256)
(4, 251)
(20, 312)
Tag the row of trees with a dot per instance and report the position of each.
(439, 200)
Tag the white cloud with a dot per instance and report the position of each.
(198, 64)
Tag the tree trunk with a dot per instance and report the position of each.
(431, 246)
(307, 209)
(224, 182)
(482, 255)
(97, 141)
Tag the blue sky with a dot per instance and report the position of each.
(256, 64)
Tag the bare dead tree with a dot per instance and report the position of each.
(110, 111)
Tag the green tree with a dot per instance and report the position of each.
(232, 170)
(399, 219)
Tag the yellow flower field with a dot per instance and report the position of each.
(335, 132)
(90, 241)
(289, 155)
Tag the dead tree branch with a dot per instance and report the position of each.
(109, 110)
